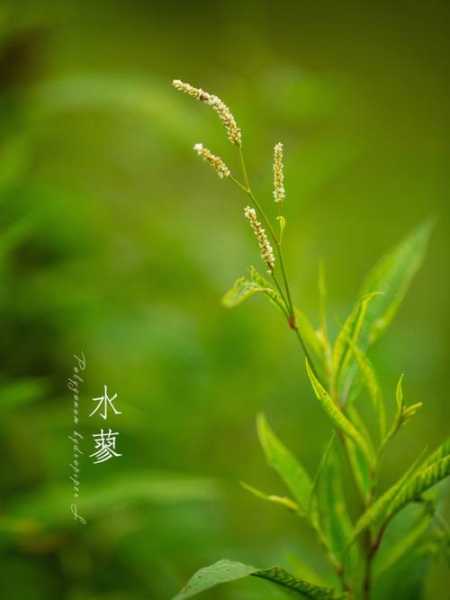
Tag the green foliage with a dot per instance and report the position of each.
(226, 571)
(334, 517)
(285, 464)
(392, 276)
(396, 547)
(280, 500)
(303, 588)
(339, 420)
(349, 334)
(402, 413)
(337, 373)
(114, 242)
(222, 571)
(420, 483)
(246, 287)
(381, 507)
(360, 469)
(441, 452)
(311, 339)
(370, 380)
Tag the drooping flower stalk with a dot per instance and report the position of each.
(215, 161)
(222, 110)
(266, 250)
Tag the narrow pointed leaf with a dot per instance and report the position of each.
(359, 465)
(394, 552)
(222, 571)
(393, 275)
(285, 464)
(350, 331)
(399, 396)
(371, 382)
(339, 420)
(226, 571)
(340, 344)
(334, 518)
(310, 338)
(380, 507)
(302, 587)
(323, 461)
(397, 420)
(358, 421)
(420, 483)
(280, 500)
(441, 452)
(359, 468)
(244, 288)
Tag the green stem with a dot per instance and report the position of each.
(287, 296)
(239, 184)
(274, 277)
(291, 317)
(372, 550)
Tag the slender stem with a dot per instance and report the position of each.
(271, 230)
(373, 545)
(368, 578)
(274, 277)
(289, 311)
(373, 549)
(306, 352)
(239, 184)
(244, 168)
(291, 317)
(280, 291)
(290, 314)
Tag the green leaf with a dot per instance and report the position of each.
(393, 275)
(420, 483)
(359, 467)
(371, 382)
(358, 421)
(246, 287)
(280, 500)
(334, 517)
(397, 420)
(285, 464)
(358, 462)
(319, 472)
(350, 331)
(393, 550)
(399, 402)
(225, 571)
(338, 418)
(402, 413)
(381, 506)
(242, 290)
(304, 588)
(441, 452)
(310, 337)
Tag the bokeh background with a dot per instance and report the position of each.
(116, 241)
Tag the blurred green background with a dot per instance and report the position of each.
(117, 242)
